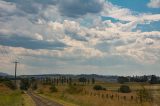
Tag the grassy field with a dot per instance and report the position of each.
(86, 96)
(10, 97)
(83, 95)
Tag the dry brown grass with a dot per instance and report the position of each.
(4, 88)
(89, 97)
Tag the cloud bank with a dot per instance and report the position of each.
(154, 4)
(76, 33)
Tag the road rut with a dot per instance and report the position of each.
(41, 101)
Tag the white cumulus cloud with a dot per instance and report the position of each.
(154, 4)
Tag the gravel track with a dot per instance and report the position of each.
(41, 101)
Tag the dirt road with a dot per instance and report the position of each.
(41, 101)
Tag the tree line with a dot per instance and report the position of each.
(153, 79)
(61, 80)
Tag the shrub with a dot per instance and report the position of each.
(98, 87)
(83, 80)
(124, 89)
(24, 84)
(10, 84)
(34, 86)
(104, 89)
(53, 88)
(74, 84)
(144, 95)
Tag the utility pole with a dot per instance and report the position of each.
(16, 62)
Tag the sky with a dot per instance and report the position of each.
(108, 37)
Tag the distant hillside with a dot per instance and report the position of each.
(3, 74)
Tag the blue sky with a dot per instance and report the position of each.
(136, 5)
(109, 37)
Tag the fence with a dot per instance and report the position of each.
(110, 95)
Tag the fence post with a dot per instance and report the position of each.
(131, 97)
(111, 96)
(102, 95)
(91, 93)
(107, 96)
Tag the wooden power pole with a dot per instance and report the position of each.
(16, 62)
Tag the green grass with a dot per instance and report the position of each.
(11, 98)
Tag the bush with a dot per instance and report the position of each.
(10, 84)
(24, 84)
(2, 79)
(104, 89)
(124, 89)
(53, 88)
(34, 86)
(74, 84)
(144, 95)
(98, 87)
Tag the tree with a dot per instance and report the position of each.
(88, 81)
(70, 81)
(47, 80)
(24, 84)
(154, 80)
(33, 83)
(62, 80)
(82, 80)
(122, 80)
(93, 81)
(124, 89)
(54, 80)
(144, 95)
(67, 80)
(144, 78)
(57, 81)
(43, 80)
(34, 86)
